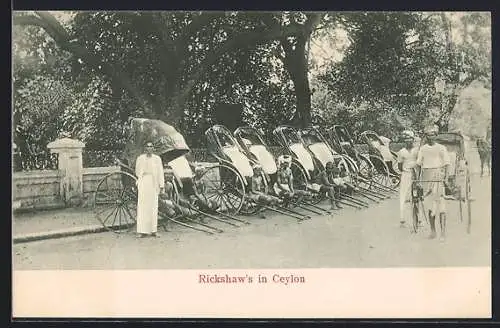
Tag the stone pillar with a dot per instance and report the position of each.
(71, 166)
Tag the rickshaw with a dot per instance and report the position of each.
(305, 167)
(256, 149)
(227, 151)
(387, 163)
(317, 144)
(370, 176)
(458, 186)
(115, 197)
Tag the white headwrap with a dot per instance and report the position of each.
(408, 134)
(431, 129)
(284, 159)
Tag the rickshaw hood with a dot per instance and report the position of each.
(168, 142)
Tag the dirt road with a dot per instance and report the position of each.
(350, 238)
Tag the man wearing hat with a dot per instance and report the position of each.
(434, 161)
(407, 159)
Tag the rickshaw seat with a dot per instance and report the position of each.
(303, 156)
(321, 151)
(181, 167)
(265, 158)
(239, 160)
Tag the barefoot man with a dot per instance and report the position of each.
(407, 158)
(150, 184)
(434, 162)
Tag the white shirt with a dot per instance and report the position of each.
(150, 165)
(431, 157)
(408, 158)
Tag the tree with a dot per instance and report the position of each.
(166, 55)
(394, 59)
(465, 47)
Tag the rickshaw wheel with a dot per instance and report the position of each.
(381, 174)
(300, 181)
(115, 201)
(299, 176)
(366, 172)
(366, 168)
(394, 180)
(225, 186)
(353, 170)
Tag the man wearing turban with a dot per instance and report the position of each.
(434, 161)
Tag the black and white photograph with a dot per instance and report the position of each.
(251, 140)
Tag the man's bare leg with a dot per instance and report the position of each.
(442, 223)
(331, 196)
(432, 221)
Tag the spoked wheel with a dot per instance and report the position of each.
(381, 174)
(366, 167)
(366, 171)
(300, 180)
(394, 175)
(249, 207)
(352, 169)
(225, 186)
(299, 176)
(115, 201)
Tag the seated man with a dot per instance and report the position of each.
(283, 187)
(257, 185)
(166, 202)
(327, 186)
(346, 182)
(256, 194)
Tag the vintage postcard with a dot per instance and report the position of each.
(246, 164)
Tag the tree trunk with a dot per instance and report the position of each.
(444, 119)
(296, 65)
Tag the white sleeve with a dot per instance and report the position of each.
(400, 156)
(161, 175)
(138, 166)
(420, 157)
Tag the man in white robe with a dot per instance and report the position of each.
(150, 184)
(407, 159)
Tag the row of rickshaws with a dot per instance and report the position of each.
(221, 192)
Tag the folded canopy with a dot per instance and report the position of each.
(168, 142)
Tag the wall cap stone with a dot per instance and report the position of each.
(65, 143)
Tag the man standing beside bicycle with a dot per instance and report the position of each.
(407, 159)
(434, 162)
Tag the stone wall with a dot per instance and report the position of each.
(36, 190)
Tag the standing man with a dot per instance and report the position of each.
(484, 150)
(150, 183)
(407, 160)
(434, 162)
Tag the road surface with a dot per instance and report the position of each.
(369, 238)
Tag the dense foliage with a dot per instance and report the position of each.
(84, 74)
